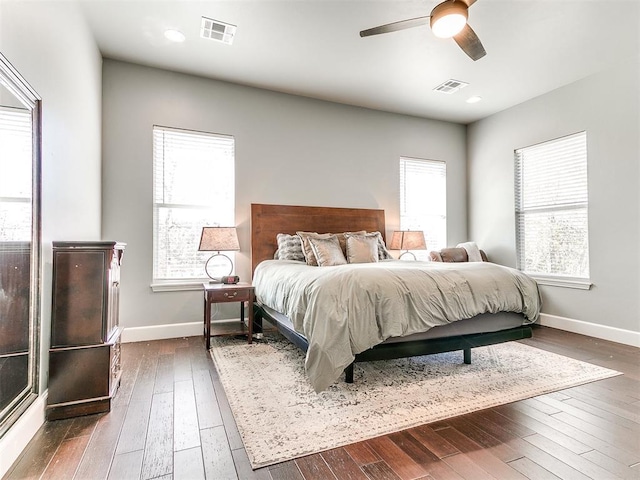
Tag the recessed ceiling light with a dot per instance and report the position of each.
(474, 99)
(174, 35)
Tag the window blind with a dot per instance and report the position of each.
(16, 176)
(551, 194)
(193, 187)
(423, 200)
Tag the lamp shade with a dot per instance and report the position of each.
(219, 239)
(408, 240)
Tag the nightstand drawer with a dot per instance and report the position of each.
(240, 294)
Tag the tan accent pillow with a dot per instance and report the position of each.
(327, 251)
(309, 256)
(342, 238)
(383, 253)
(362, 248)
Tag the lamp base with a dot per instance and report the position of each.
(407, 253)
(217, 279)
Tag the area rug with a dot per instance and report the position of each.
(280, 417)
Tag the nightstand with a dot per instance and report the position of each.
(222, 293)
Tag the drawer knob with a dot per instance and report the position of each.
(230, 295)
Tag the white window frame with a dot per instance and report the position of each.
(566, 181)
(429, 215)
(164, 139)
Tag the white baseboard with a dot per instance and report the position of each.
(604, 332)
(20, 434)
(160, 332)
(192, 329)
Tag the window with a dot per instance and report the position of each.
(551, 209)
(423, 201)
(193, 186)
(15, 182)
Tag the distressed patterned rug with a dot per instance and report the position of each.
(280, 417)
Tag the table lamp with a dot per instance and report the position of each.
(218, 239)
(408, 240)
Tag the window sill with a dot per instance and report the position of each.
(177, 285)
(577, 283)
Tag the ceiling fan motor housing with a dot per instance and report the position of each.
(448, 18)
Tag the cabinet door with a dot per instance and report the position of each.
(79, 374)
(79, 293)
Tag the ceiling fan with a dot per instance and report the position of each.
(448, 19)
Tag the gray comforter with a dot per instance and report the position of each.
(346, 309)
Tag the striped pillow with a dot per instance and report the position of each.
(289, 248)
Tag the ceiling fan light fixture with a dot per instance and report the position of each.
(449, 18)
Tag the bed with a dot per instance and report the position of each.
(333, 344)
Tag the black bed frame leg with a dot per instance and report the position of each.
(348, 374)
(467, 356)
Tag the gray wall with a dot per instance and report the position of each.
(63, 64)
(289, 150)
(606, 105)
(50, 45)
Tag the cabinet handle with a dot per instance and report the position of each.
(230, 295)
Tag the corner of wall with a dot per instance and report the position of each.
(20, 434)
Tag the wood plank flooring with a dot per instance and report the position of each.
(171, 419)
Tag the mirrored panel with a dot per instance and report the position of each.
(19, 243)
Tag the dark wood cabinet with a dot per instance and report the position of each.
(84, 358)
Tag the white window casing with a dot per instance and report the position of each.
(552, 205)
(193, 187)
(423, 201)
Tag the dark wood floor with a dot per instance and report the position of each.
(171, 419)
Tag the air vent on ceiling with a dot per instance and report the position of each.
(450, 86)
(216, 30)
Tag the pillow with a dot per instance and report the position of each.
(342, 238)
(309, 256)
(362, 248)
(289, 248)
(327, 251)
(383, 253)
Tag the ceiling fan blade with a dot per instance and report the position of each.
(469, 2)
(392, 27)
(469, 42)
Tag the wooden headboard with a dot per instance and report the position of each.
(269, 220)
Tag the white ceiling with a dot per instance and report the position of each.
(312, 48)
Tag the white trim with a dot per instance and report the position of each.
(20, 434)
(177, 286)
(604, 332)
(160, 332)
(567, 282)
